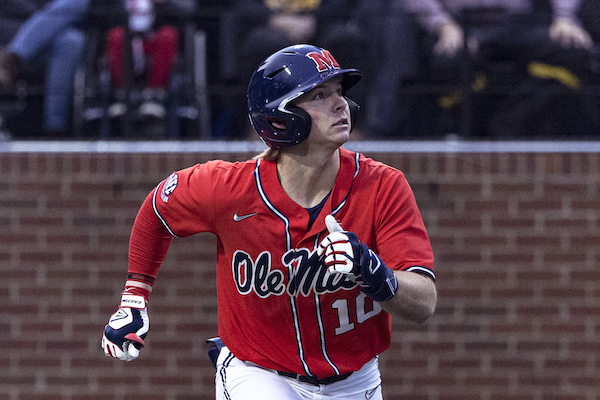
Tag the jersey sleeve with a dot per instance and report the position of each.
(184, 202)
(148, 243)
(401, 238)
(181, 205)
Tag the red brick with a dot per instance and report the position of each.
(40, 363)
(565, 364)
(42, 222)
(41, 256)
(511, 329)
(17, 380)
(510, 364)
(516, 269)
(460, 364)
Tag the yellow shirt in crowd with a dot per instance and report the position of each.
(292, 6)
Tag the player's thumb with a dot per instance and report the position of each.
(136, 339)
(332, 224)
(133, 345)
(133, 351)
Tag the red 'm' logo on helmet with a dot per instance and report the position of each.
(324, 60)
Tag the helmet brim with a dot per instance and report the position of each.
(350, 77)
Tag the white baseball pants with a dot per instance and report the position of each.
(238, 380)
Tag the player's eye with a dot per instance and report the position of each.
(320, 95)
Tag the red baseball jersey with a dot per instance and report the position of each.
(278, 305)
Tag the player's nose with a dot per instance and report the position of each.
(339, 102)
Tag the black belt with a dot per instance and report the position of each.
(313, 380)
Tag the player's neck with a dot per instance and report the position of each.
(307, 180)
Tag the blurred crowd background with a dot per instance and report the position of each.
(178, 69)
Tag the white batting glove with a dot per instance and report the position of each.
(344, 253)
(125, 332)
(338, 251)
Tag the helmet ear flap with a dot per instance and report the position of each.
(354, 111)
(300, 123)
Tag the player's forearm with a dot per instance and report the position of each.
(415, 299)
(148, 243)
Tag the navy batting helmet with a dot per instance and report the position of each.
(283, 77)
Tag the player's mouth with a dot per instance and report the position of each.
(341, 122)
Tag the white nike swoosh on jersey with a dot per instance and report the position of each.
(238, 218)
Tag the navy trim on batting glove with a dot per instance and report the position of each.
(380, 281)
(118, 336)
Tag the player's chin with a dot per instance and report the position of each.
(333, 138)
(337, 141)
(341, 132)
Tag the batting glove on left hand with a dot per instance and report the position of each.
(124, 335)
(345, 254)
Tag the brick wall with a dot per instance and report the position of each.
(516, 238)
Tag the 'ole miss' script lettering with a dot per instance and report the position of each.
(306, 275)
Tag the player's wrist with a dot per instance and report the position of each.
(138, 288)
(134, 297)
(133, 300)
(380, 281)
(386, 290)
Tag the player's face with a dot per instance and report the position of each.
(329, 113)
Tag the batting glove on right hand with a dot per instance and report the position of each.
(345, 254)
(124, 335)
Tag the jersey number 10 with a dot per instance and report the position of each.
(341, 305)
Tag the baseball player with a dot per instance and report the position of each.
(317, 246)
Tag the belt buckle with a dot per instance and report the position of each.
(314, 380)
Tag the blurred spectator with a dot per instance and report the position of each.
(154, 47)
(520, 23)
(13, 13)
(266, 26)
(547, 44)
(392, 44)
(590, 16)
(51, 37)
(275, 24)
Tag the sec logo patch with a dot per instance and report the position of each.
(169, 186)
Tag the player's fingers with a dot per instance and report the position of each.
(135, 338)
(112, 350)
(132, 351)
(340, 270)
(104, 346)
(108, 347)
(336, 257)
(332, 224)
(339, 257)
(335, 238)
(331, 239)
